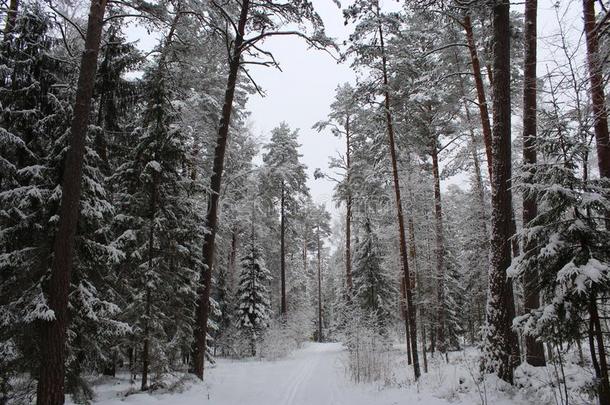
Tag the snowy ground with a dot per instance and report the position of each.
(315, 375)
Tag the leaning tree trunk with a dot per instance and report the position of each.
(534, 351)
(440, 253)
(498, 338)
(598, 104)
(480, 188)
(52, 343)
(211, 220)
(478, 80)
(399, 213)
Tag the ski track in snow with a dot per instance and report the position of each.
(314, 375)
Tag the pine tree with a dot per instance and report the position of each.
(284, 182)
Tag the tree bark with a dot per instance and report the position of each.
(399, 213)
(480, 87)
(202, 306)
(598, 101)
(498, 339)
(51, 382)
(600, 361)
(440, 253)
(534, 351)
(405, 316)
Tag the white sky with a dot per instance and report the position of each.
(301, 95)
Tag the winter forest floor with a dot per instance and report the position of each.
(317, 375)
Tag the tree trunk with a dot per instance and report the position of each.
(51, 383)
(320, 338)
(478, 79)
(232, 259)
(440, 253)
(405, 316)
(202, 306)
(283, 308)
(415, 281)
(534, 351)
(399, 214)
(348, 213)
(480, 188)
(498, 339)
(11, 18)
(598, 103)
(600, 361)
(148, 314)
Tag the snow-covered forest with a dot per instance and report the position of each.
(156, 248)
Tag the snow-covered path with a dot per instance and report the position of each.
(314, 375)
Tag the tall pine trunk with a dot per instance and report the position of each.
(598, 101)
(52, 343)
(283, 308)
(534, 351)
(211, 220)
(499, 337)
(348, 213)
(320, 337)
(440, 253)
(399, 213)
(415, 282)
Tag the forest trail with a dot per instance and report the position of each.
(313, 375)
(309, 376)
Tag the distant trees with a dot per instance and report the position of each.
(259, 21)
(284, 183)
(342, 122)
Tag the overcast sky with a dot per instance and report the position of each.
(301, 95)
(302, 92)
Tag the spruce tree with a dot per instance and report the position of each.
(253, 304)
(374, 290)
